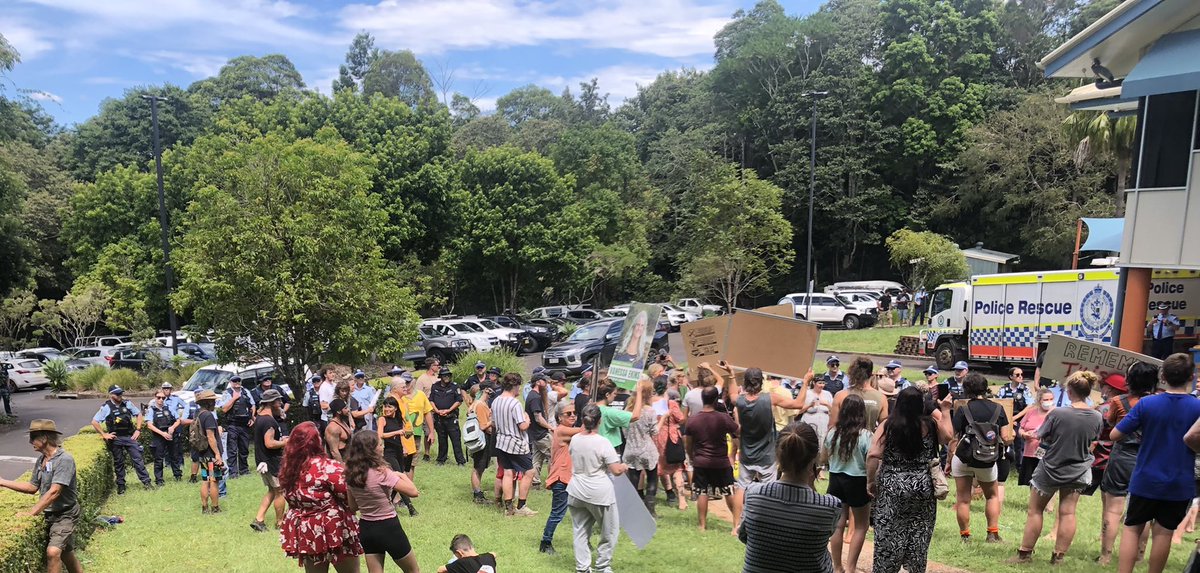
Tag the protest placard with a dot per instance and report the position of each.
(1065, 355)
(629, 359)
(747, 338)
(703, 341)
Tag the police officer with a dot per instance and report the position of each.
(835, 379)
(446, 399)
(312, 401)
(894, 372)
(237, 407)
(163, 423)
(1019, 393)
(267, 382)
(181, 411)
(4, 391)
(956, 382)
(122, 426)
(365, 396)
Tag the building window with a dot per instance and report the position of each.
(1166, 143)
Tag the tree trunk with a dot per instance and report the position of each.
(1122, 178)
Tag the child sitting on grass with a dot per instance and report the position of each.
(466, 560)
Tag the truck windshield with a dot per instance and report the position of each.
(940, 302)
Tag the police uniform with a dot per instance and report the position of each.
(835, 384)
(237, 428)
(164, 450)
(121, 420)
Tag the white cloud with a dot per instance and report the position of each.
(199, 65)
(668, 28)
(619, 81)
(28, 42)
(44, 96)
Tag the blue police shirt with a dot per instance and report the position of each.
(1007, 391)
(364, 395)
(106, 409)
(1062, 398)
(177, 407)
(228, 395)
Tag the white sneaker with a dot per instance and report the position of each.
(525, 512)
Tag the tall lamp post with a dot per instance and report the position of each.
(812, 188)
(163, 223)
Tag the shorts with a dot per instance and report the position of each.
(713, 482)
(749, 474)
(270, 481)
(1097, 478)
(515, 462)
(61, 529)
(1047, 489)
(852, 490)
(218, 471)
(384, 536)
(960, 469)
(1168, 514)
(1003, 468)
(1028, 465)
(481, 460)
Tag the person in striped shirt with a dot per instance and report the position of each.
(512, 445)
(786, 524)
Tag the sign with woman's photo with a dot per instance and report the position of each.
(633, 346)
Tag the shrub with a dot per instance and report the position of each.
(90, 379)
(568, 329)
(180, 375)
(503, 359)
(123, 377)
(56, 371)
(23, 543)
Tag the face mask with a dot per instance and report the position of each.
(1047, 404)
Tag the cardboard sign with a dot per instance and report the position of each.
(629, 359)
(1065, 355)
(777, 344)
(634, 517)
(786, 310)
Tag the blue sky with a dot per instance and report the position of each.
(75, 53)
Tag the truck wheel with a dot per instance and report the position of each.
(440, 355)
(850, 322)
(527, 345)
(945, 356)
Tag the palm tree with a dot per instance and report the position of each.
(1099, 134)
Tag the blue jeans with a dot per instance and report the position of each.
(558, 510)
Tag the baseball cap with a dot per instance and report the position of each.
(337, 405)
(930, 370)
(360, 374)
(833, 358)
(480, 364)
(893, 364)
(586, 368)
(537, 377)
(960, 365)
(235, 378)
(395, 371)
(494, 370)
(558, 376)
(406, 376)
(114, 389)
(537, 370)
(445, 373)
(314, 378)
(166, 386)
(1117, 381)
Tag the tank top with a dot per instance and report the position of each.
(874, 400)
(394, 443)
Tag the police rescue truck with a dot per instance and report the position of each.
(1008, 318)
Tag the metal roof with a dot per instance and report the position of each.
(1120, 38)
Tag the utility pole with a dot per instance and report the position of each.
(812, 188)
(163, 223)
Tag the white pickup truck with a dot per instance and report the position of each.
(694, 305)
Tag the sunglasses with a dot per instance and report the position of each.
(569, 413)
(160, 397)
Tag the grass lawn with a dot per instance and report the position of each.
(875, 340)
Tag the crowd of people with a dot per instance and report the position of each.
(888, 448)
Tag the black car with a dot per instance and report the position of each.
(139, 358)
(596, 338)
(544, 335)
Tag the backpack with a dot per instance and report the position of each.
(196, 437)
(983, 438)
(473, 436)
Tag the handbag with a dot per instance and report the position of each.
(941, 487)
(674, 452)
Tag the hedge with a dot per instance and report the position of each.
(23, 539)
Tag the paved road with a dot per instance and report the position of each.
(16, 457)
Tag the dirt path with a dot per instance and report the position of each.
(865, 560)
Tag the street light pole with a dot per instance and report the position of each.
(812, 187)
(163, 223)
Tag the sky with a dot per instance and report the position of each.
(76, 53)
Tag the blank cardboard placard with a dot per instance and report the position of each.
(632, 514)
(786, 310)
(704, 341)
(776, 344)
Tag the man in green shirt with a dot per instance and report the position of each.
(55, 482)
(613, 420)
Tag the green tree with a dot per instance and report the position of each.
(301, 276)
(399, 75)
(249, 76)
(925, 258)
(44, 194)
(16, 312)
(73, 318)
(518, 224)
(1098, 135)
(358, 60)
(529, 102)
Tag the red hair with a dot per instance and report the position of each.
(303, 444)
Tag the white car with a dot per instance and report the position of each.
(515, 339)
(677, 316)
(829, 309)
(694, 306)
(216, 377)
(24, 373)
(862, 302)
(94, 355)
(481, 340)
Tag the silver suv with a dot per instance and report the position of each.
(435, 342)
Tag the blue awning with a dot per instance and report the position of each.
(1170, 66)
(1103, 235)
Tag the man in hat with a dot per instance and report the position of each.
(365, 395)
(835, 379)
(472, 381)
(212, 467)
(1162, 331)
(267, 382)
(337, 435)
(418, 411)
(122, 425)
(931, 377)
(446, 398)
(312, 402)
(268, 452)
(956, 382)
(894, 371)
(55, 483)
(237, 409)
(664, 359)
(164, 423)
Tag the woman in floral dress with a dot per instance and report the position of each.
(898, 478)
(319, 528)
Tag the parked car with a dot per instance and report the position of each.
(93, 355)
(695, 306)
(574, 313)
(677, 316)
(24, 373)
(139, 358)
(106, 341)
(599, 338)
(45, 355)
(828, 309)
(514, 339)
(555, 325)
(436, 341)
(863, 303)
(542, 335)
(482, 341)
(216, 377)
(617, 312)
(890, 287)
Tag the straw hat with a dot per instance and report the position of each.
(206, 395)
(43, 426)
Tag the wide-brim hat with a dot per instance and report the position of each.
(43, 425)
(1117, 381)
(206, 395)
(269, 396)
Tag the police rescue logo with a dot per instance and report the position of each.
(1096, 313)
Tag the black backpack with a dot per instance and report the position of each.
(984, 444)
